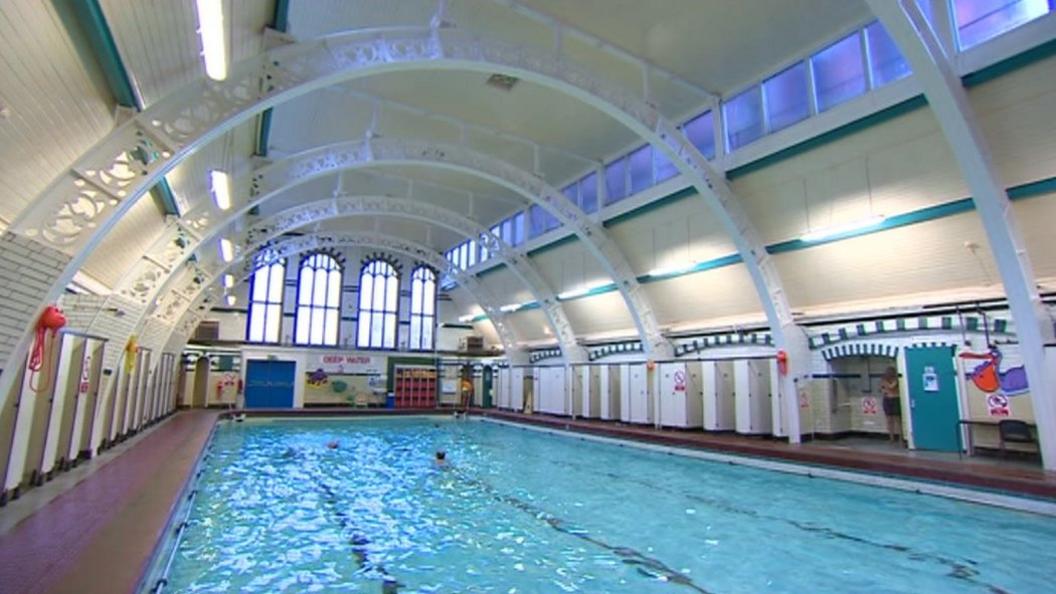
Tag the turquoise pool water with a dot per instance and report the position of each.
(517, 511)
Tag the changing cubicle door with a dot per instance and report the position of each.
(8, 421)
(31, 413)
(640, 394)
(87, 401)
(718, 395)
(71, 403)
(753, 410)
(63, 397)
(592, 391)
(55, 366)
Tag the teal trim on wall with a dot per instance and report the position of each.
(553, 245)
(650, 206)
(873, 119)
(1022, 60)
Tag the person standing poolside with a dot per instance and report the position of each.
(892, 404)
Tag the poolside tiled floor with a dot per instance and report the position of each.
(97, 537)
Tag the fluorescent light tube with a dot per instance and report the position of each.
(229, 281)
(827, 232)
(227, 250)
(467, 318)
(670, 270)
(211, 30)
(230, 299)
(220, 184)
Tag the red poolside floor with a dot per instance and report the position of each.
(97, 537)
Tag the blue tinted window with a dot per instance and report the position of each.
(701, 132)
(787, 98)
(641, 161)
(571, 192)
(665, 169)
(588, 193)
(885, 60)
(518, 229)
(979, 20)
(540, 221)
(616, 181)
(838, 72)
(744, 118)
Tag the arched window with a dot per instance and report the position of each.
(379, 295)
(423, 308)
(266, 288)
(318, 300)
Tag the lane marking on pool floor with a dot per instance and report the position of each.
(924, 488)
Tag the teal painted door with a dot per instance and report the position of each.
(931, 378)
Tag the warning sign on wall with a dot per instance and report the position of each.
(680, 381)
(997, 405)
(869, 406)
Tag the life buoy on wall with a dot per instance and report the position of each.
(50, 322)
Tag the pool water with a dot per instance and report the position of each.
(516, 510)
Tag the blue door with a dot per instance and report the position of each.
(269, 384)
(932, 381)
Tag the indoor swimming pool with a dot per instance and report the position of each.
(515, 510)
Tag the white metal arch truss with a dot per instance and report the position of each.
(344, 205)
(76, 211)
(198, 303)
(949, 102)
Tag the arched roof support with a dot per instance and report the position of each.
(948, 100)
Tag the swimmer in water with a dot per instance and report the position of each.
(441, 458)
(333, 444)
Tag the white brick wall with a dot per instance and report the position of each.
(28, 272)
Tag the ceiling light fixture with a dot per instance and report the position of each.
(836, 230)
(211, 30)
(670, 270)
(581, 291)
(230, 299)
(467, 318)
(220, 185)
(512, 307)
(229, 281)
(227, 250)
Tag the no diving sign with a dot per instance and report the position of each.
(680, 381)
